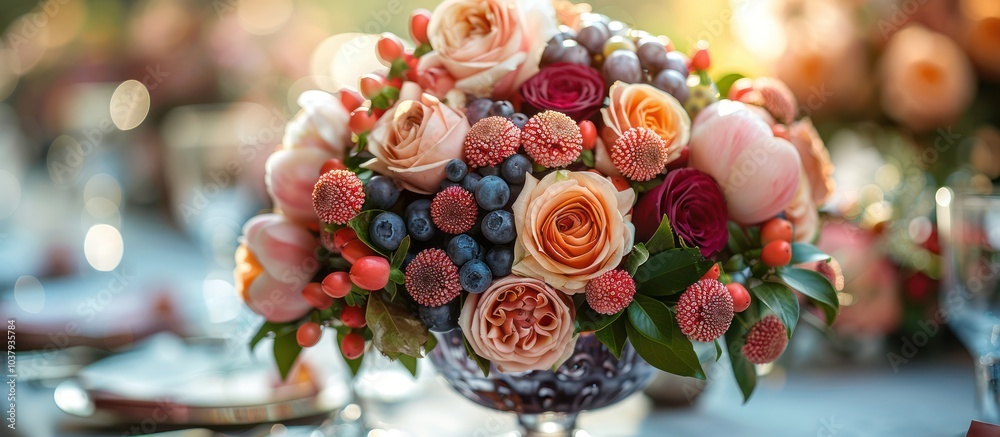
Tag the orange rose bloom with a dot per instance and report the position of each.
(642, 105)
(571, 227)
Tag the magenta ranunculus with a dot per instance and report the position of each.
(575, 90)
(693, 202)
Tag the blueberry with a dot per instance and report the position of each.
(442, 318)
(380, 193)
(500, 259)
(519, 120)
(446, 183)
(502, 108)
(498, 227)
(475, 276)
(478, 109)
(455, 170)
(471, 181)
(418, 204)
(489, 171)
(492, 193)
(387, 230)
(462, 249)
(514, 168)
(420, 225)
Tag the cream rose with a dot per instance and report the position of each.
(571, 227)
(415, 139)
(642, 105)
(520, 324)
(490, 46)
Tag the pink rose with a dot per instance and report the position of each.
(758, 173)
(571, 227)
(490, 46)
(322, 123)
(415, 139)
(816, 165)
(433, 77)
(520, 324)
(274, 263)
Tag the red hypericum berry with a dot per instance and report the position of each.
(611, 292)
(776, 253)
(418, 25)
(454, 210)
(490, 141)
(353, 316)
(352, 345)
(766, 341)
(713, 273)
(371, 85)
(314, 294)
(705, 310)
(308, 334)
(741, 297)
(332, 164)
(621, 184)
(432, 279)
(552, 139)
(370, 273)
(389, 48)
(350, 99)
(344, 235)
(640, 154)
(361, 121)
(589, 133)
(337, 284)
(700, 60)
(355, 250)
(338, 196)
(776, 229)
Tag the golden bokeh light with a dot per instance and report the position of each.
(129, 105)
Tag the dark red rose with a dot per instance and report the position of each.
(575, 90)
(695, 206)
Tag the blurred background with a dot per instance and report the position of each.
(133, 136)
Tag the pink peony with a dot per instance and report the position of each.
(274, 263)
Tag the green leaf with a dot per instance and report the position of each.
(410, 363)
(677, 357)
(663, 238)
(726, 82)
(636, 258)
(286, 350)
(815, 286)
(400, 254)
(483, 363)
(360, 223)
(390, 93)
(744, 371)
(782, 302)
(355, 364)
(652, 318)
(397, 276)
(718, 350)
(587, 158)
(589, 320)
(642, 187)
(671, 271)
(395, 330)
(421, 50)
(356, 297)
(614, 336)
(390, 287)
(738, 240)
(736, 263)
(432, 342)
(261, 334)
(805, 252)
(398, 69)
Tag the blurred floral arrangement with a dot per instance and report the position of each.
(530, 172)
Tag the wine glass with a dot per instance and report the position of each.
(969, 228)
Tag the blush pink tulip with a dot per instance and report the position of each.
(758, 173)
(275, 261)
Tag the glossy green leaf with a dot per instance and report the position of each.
(483, 363)
(614, 336)
(410, 363)
(360, 224)
(588, 320)
(726, 82)
(718, 350)
(782, 302)
(652, 318)
(744, 371)
(395, 330)
(814, 286)
(805, 252)
(663, 238)
(738, 240)
(671, 271)
(286, 350)
(636, 258)
(400, 254)
(678, 357)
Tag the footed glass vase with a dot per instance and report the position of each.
(546, 402)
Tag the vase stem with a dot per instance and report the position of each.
(548, 424)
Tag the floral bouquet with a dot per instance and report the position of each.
(531, 174)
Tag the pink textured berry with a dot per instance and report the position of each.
(454, 210)
(766, 341)
(552, 139)
(338, 196)
(640, 154)
(611, 292)
(705, 310)
(490, 141)
(432, 279)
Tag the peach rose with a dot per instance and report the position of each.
(816, 164)
(415, 139)
(490, 46)
(274, 261)
(758, 173)
(927, 80)
(520, 324)
(642, 105)
(571, 227)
